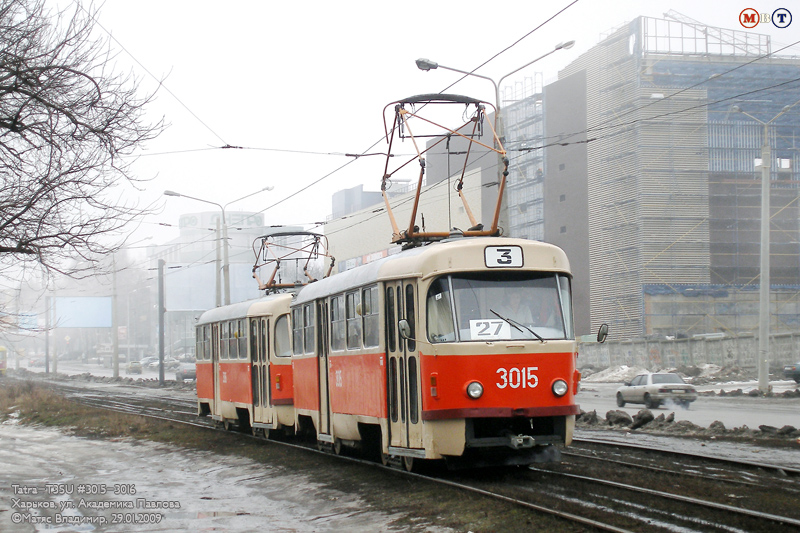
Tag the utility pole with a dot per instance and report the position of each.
(218, 266)
(55, 337)
(764, 287)
(114, 320)
(47, 300)
(161, 311)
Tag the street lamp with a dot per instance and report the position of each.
(763, 300)
(225, 261)
(427, 64)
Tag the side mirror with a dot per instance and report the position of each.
(405, 329)
(602, 333)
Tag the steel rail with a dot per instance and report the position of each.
(718, 459)
(683, 499)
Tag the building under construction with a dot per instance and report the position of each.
(641, 162)
(651, 183)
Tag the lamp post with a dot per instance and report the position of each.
(427, 64)
(763, 300)
(225, 263)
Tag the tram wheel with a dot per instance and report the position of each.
(226, 424)
(408, 464)
(337, 446)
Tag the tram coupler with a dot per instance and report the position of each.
(518, 442)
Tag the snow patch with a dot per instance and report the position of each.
(616, 374)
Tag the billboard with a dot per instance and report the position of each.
(82, 312)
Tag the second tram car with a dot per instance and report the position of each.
(244, 364)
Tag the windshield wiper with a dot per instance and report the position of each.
(516, 325)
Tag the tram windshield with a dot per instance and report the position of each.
(499, 306)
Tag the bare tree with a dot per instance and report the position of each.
(68, 128)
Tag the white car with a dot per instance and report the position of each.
(654, 389)
(170, 363)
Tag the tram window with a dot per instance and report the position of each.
(412, 390)
(399, 316)
(337, 323)
(297, 330)
(566, 303)
(254, 339)
(440, 314)
(391, 321)
(352, 309)
(198, 343)
(264, 334)
(264, 388)
(215, 355)
(402, 382)
(242, 339)
(283, 337)
(254, 382)
(412, 344)
(207, 342)
(534, 301)
(224, 345)
(308, 327)
(233, 351)
(369, 307)
(393, 388)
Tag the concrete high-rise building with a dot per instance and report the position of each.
(638, 162)
(650, 182)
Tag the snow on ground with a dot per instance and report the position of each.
(123, 485)
(615, 374)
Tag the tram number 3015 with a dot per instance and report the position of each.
(523, 377)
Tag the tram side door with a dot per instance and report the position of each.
(264, 375)
(405, 427)
(323, 368)
(259, 368)
(215, 366)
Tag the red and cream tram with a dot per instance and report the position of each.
(244, 364)
(460, 350)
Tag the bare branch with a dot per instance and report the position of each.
(67, 125)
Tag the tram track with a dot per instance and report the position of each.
(601, 503)
(784, 469)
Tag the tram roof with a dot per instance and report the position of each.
(258, 306)
(456, 255)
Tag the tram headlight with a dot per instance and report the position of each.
(560, 387)
(474, 390)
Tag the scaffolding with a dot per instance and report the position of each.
(524, 116)
(673, 189)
